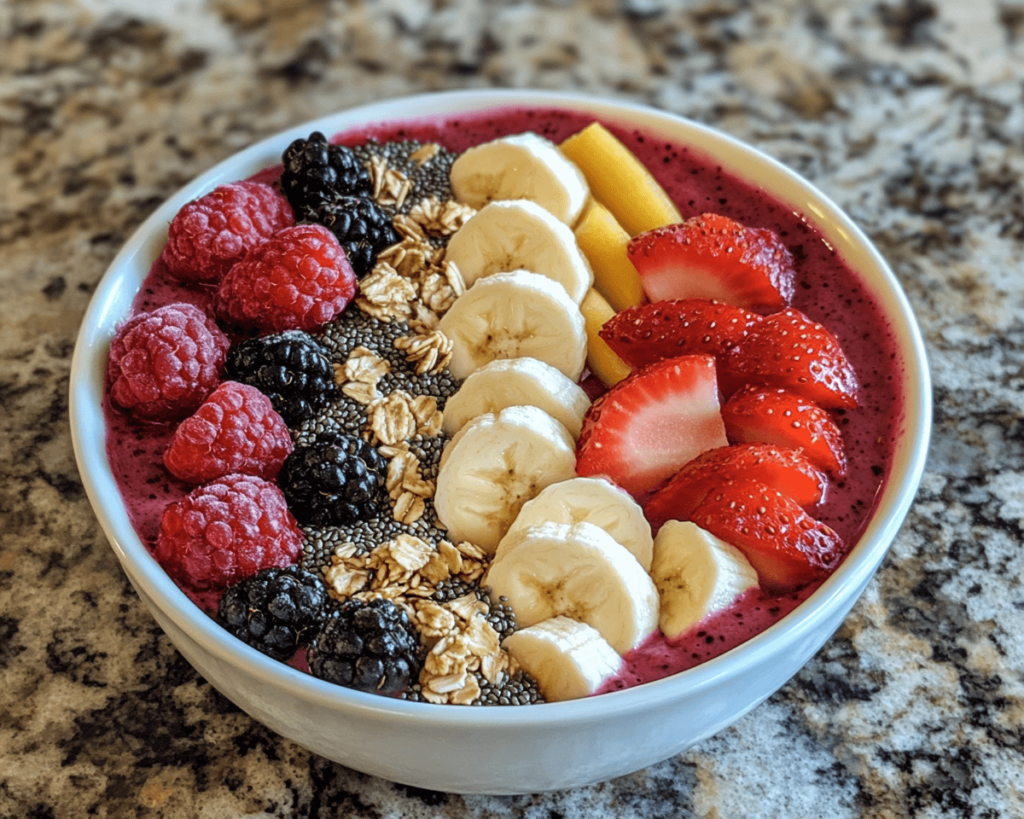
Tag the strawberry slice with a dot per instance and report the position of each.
(786, 470)
(786, 546)
(772, 415)
(790, 350)
(713, 257)
(651, 423)
(646, 333)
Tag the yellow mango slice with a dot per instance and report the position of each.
(603, 241)
(619, 181)
(601, 360)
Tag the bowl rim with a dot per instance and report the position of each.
(111, 299)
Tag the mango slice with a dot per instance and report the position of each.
(619, 181)
(603, 241)
(603, 363)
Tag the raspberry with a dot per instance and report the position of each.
(235, 430)
(298, 280)
(212, 233)
(163, 363)
(225, 531)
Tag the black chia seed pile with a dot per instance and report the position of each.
(354, 328)
(429, 178)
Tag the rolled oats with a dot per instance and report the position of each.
(390, 186)
(391, 418)
(359, 375)
(409, 228)
(410, 257)
(344, 580)
(409, 552)
(425, 153)
(468, 694)
(386, 295)
(409, 508)
(430, 351)
(437, 293)
(429, 418)
(433, 619)
(438, 218)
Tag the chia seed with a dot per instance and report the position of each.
(354, 328)
(520, 689)
(430, 179)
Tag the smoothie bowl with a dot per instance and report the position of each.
(532, 520)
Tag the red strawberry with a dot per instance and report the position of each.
(786, 470)
(652, 422)
(712, 257)
(664, 329)
(776, 416)
(790, 350)
(786, 546)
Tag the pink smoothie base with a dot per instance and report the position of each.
(827, 290)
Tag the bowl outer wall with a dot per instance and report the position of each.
(501, 750)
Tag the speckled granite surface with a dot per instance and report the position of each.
(909, 113)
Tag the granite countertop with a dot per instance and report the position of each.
(909, 113)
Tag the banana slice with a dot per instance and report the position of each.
(576, 570)
(517, 381)
(493, 466)
(522, 166)
(510, 235)
(696, 574)
(593, 500)
(519, 314)
(568, 659)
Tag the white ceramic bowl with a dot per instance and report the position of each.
(520, 749)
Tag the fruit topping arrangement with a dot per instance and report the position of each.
(472, 428)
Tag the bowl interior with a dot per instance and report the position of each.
(115, 293)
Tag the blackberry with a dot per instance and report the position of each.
(336, 480)
(371, 646)
(360, 224)
(317, 171)
(290, 368)
(276, 611)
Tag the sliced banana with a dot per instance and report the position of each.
(696, 574)
(568, 659)
(518, 314)
(579, 571)
(510, 235)
(517, 381)
(593, 500)
(522, 166)
(493, 465)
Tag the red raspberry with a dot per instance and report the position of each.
(212, 233)
(225, 531)
(235, 430)
(163, 363)
(298, 280)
